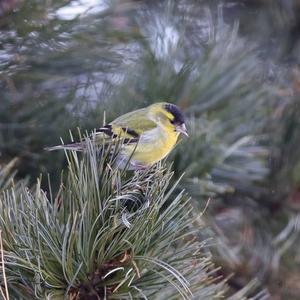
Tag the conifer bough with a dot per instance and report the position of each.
(106, 234)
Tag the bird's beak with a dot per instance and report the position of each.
(182, 129)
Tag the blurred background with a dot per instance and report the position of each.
(233, 66)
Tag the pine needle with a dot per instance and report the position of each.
(6, 297)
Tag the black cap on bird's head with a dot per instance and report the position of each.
(178, 119)
(176, 112)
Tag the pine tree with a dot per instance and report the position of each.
(130, 55)
(105, 235)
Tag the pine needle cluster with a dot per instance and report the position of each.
(105, 234)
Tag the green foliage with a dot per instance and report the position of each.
(214, 59)
(7, 175)
(86, 241)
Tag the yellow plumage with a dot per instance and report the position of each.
(150, 150)
(151, 134)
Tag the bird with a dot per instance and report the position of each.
(149, 134)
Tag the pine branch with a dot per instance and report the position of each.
(86, 242)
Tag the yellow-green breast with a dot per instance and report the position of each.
(153, 146)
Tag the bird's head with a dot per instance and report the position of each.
(169, 116)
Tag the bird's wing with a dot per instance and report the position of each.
(130, 126)
(137, 121)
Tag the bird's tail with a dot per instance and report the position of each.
(72, 146)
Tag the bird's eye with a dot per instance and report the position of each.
(172, 121)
